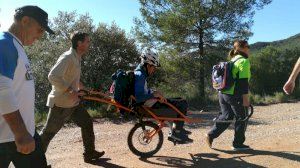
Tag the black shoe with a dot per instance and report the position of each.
(184, 131)
(179, 138)
(209, 140)
(91, 156)
(240, 147)
(186, 140)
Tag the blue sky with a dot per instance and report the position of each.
(279, 20)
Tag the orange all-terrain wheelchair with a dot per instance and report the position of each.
(146, 137)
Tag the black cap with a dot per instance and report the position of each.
(36, 13)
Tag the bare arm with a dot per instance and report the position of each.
(24, 141)
(290, 84)
(246, 101)
(295, 71)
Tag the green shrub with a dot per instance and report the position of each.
(281, 97)
(256, 99)
(278, 97)
(269, 99)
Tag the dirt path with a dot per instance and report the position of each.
(273, 133)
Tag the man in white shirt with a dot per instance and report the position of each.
(19, 142)
(63, 101)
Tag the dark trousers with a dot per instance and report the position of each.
(231, 106)
(36, 159)
(163, 110)
(57, 116)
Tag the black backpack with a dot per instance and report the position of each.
(123, 86)
(222, 78)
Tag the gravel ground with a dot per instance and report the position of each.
(273, 132)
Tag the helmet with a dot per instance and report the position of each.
(150, 58)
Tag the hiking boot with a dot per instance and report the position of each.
(185, 140)
(184, 131)
(209, 140)
(240, 147)
(91, 156)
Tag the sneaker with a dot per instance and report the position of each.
(209, 140)
(240, 147)
(91, 156)
(179, 137)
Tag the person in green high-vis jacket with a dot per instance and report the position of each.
(235, 101)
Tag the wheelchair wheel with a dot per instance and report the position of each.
(140, 144)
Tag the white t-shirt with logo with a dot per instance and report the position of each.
(16, 85)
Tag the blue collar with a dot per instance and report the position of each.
(14, 37)
(141, 68)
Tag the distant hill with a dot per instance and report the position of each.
(289, 43)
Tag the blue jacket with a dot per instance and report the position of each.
(141, 90)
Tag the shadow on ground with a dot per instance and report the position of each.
(104, 163)
(213, 160)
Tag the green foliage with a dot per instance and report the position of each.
(272, 64)
(40, 117)
(178, 76)
(185, 24)
(177, 71)
(256, 99)
(280, 97)
(110, 50)
(271, 68)
(296, 93)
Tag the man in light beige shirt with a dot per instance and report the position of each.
(63, 100)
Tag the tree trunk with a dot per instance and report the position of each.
(201, 85)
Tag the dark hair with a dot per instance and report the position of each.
(78, 36)
(18, 17)
(236, 46)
